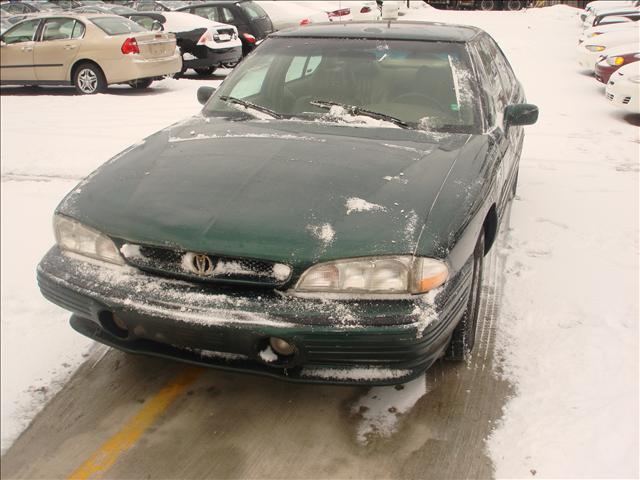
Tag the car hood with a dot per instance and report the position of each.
(293, 192)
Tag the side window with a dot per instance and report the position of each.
(492, 82)
(227, 15)
(24, 32)
(78, 30)
(208, 12)
(57, 29)
(504, 71)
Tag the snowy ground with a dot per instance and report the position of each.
(568, 337)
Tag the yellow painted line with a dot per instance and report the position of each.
(103, 458)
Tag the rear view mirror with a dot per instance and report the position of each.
(520, 114)
(204, 94)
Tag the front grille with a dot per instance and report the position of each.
(213, 268)
(610, 96)
(626, 100)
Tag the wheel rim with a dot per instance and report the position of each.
(486, 5)
(87, 80)
(513, 5)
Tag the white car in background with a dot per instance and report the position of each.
(591, 50)
(204, 44)
(610, 12)
(623, 89)
(608, 28)
(600, 5)
(287, 13)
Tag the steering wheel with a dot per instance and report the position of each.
(419, 98)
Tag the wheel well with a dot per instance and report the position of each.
(490, 227)
(80, 62)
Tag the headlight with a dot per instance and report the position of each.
(594, 34)
(375, 275)
(635, 79)
(594, 48)
(613, 61)
(75, 237)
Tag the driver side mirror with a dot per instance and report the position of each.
(520, 114)
(204, 94)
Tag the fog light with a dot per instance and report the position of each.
(282, 347)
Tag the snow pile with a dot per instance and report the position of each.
(355, 204)
(381, 408)
(325, 233)
(268, 355)
(354, 374)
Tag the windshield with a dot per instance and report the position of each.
(117, 25)
(423, 85)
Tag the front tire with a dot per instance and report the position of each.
(464, 335)
(89, 79)
(141, 83)
(205, 72)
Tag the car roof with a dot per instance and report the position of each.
(68, 14)
(395, 30)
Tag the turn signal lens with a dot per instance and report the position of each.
(130, 45)
(595, 48)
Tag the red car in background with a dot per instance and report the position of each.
(616, 58)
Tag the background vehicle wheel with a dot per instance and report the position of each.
(204, 72)
(230, 65)
(141, 83)
(89, 79)
(514, 5)
(487, 5)
(464, 335)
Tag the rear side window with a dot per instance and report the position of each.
(23, 32)
(253, 10)
(78, 30)
(208, 12)
(117, 25)
(57, 29)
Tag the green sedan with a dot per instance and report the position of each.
(323, 219)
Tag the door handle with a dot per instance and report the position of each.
(69, 47)
(27, 49)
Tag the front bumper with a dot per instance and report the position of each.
(340, 342)
(623, 94)
(204, 57)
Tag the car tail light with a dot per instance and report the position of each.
(249, 38)
(365, 10)
(305, 21)
(130, 45)
(339, 13)
(206, 37)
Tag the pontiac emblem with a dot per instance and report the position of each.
(201, 265)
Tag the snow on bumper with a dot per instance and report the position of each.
(372, 342)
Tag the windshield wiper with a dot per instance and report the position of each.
(244, 103)
(355, 110)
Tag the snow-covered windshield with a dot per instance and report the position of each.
(422, 85)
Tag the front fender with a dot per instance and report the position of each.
(458, 213)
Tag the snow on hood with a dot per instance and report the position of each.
(292, 192)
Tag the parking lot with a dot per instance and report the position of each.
(559, 339)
